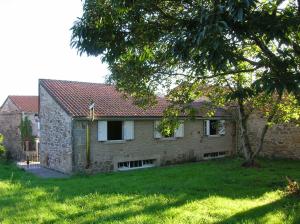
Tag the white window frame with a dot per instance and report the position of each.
(127, 131)
(102, 131)
(207, 125)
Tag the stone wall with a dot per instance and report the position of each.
(106, 155)
(9, 127)
(281, 141)
(55, 134)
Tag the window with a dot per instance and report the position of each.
(214, 127)
(137, 164)
(115, 130)
(178, 133)
(212, 155)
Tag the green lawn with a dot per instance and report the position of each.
(207, 192)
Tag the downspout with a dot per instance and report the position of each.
(73, 145)
(88, 133)
(88, 144)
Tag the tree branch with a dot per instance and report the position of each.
(186, 75)
(248, 60)
(264, 48)
(277, 4)
(229, 86)
(239, 71)
(267, 125)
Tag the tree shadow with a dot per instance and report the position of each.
(285, 205)
(181, 184)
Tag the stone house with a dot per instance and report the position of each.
(12, 111)
(92, 126)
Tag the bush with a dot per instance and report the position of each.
(292, 187)
(2, 148)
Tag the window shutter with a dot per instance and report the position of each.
(179, 132)
(102, 130)
(156, 131)
(128, 130)
(222, 127)
(206, 127)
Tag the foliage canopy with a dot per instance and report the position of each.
(246, 51)
(149, 44)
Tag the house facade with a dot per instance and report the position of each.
(92, 126)
(13, 110)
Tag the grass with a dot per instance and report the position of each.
(207, 192)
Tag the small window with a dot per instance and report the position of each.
(136, 164)
(114, 130)
(214, 155)
(214, 127)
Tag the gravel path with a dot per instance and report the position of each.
(42, 172)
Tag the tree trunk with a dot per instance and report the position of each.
(261, 140)
(245, 142)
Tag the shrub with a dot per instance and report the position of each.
(2, 148)
(292, 187)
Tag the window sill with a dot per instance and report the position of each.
(135, 168)
(214, 136)
(115, 142)
(214, 157)
(167, 139)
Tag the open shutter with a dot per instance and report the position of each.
(222, 127)
(156, 131)
(179, 132)
(128, 130)
(206, 127)
(102, 130)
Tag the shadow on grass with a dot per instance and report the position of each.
(178, 185)
(286, 205)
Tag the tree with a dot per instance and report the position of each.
(250, 48)
(239, 91)
(2, 148)
(26, 132)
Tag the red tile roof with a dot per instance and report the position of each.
(29, 104)
(75, 98)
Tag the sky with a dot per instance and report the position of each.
(35, 43)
